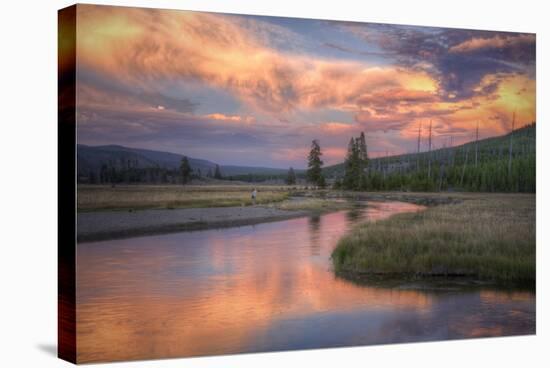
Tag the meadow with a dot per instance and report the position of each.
(484, 236)
(135, 197)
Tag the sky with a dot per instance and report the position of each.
(255, 91)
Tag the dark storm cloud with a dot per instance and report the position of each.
(458, 58)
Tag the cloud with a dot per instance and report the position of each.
(457, 58)
(95, 90)
(495, 42)
(245, 90)
(141, 47)
(231, 118)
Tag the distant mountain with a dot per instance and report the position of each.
(230, 170)
(91, 158)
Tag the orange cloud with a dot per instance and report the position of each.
(495, 42)
(231, 118)
(493, 112)
(145, 49)
(335, 127)
(139, 47)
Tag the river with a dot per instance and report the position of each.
(266, 287)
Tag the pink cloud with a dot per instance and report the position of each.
(231, 118)
(495, 42)
(138, 47)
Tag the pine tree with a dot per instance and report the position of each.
(291, 177)
(355, 164)
(351, 175)
(314, 173)
(185, 170)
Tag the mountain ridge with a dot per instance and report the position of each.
(92, 158)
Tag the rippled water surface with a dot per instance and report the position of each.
(263, 288)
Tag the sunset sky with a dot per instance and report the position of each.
(249, 90)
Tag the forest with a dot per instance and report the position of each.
(500, 164)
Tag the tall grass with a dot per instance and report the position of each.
(94, 197)
(486, 237)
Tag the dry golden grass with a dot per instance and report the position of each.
(487, 236)
(95, 197)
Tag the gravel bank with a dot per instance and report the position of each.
(93, 226)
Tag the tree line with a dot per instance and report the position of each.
(127, 172)
(500, 164)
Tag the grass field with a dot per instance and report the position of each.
(314, 205)
(485, 236)
(96, 197)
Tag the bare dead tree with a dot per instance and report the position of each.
(452, 153)
(385, 168)
(441, 173)
(418, 147)
(430, 151)
(510, 149)
(464, 166)
(477, 137)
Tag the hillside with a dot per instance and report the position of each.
(91, 159)
(487, 168)
(489, 148)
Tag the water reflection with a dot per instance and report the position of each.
(262, 288)
(354, 215)
(314, 226)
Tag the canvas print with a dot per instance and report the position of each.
(236, 184)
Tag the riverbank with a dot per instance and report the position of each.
(92, 198)
(104, 225)
(480, 236)
(140, 197)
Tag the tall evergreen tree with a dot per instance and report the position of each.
(185, 170)
(291, 177)
(355, 177)
(314, 173)
(351, 165)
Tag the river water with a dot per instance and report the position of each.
(266, 287)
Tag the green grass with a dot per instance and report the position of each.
(313, 205)
(101, 197)
(485, 236)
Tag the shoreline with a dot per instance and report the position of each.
(432, 282)
(108, 225)
(482, 238)
(116, 224)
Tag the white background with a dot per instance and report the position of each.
(28, 180)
